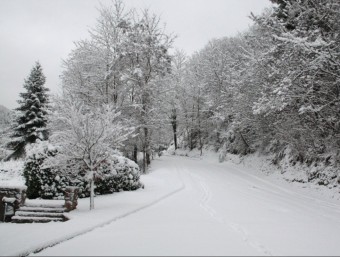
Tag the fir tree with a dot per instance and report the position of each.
(30, 123)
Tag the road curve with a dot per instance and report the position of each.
(222, 210)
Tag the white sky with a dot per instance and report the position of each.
(45, 30)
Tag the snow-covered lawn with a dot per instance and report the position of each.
(192, 207)
(22, 239)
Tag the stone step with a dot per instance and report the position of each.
(24, 219)
(39, 214)
(42, 209)
(44, 205)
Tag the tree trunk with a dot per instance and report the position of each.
(92, 193)
(148, 157)
(192, 128)
(146, 142)
(199, 125)
(107, 85)
(245, 142)
(135, 154)
(115, 92)
(146, 148)
(175, 136)
(191, 139)
(174, 126)
(144, 160)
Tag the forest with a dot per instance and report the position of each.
(273, 89)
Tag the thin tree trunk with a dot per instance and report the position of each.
(175, 135)
(115, 93)
(192, 128)
(199, 125)
(174, 126)
(135, 154)
(144, 160)
(146, 143)
(107, 84)
(245, 142)
(148, 157)
(147, 147)
(92, 193)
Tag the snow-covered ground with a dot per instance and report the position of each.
(22, 239)
(192, 206)
(11, 173)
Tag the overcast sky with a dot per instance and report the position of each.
(45, 30)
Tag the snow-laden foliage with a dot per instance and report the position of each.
(5, 117)
(121, 63)
(41, 182)
(31, 117)
(114, 174)
(86, 134)
(272, 88)
(117, 174)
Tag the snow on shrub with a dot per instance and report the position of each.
(118, 174)
(114, 175)
(42, 182)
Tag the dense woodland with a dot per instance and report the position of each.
(273, 89)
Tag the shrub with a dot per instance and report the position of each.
(45, 183)
(119, 174)
(113, 175)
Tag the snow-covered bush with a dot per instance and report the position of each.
(115, 174)
(42, 182)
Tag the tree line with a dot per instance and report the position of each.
(272, 89)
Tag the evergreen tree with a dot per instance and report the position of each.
(30, 123)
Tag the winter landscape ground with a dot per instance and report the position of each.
(192, 206)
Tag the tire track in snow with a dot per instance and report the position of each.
(285, 190)
(237, 228)
(296, 199)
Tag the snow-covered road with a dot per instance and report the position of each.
(222, 210)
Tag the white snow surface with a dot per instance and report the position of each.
(11, 174)
(191, 206)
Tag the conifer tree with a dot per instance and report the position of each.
(30, 123)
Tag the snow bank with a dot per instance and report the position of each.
(296, 175)
(261, 165)
(11, 174)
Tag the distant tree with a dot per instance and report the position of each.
(5, 129)
(30, 123)
(94, 68)
(174, 95)
(147, 55)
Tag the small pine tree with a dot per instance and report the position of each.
(30, 123)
